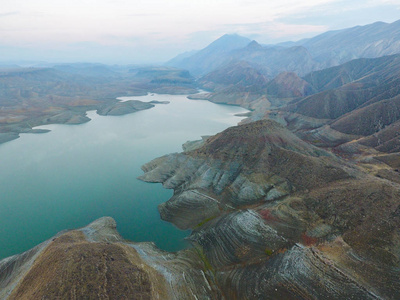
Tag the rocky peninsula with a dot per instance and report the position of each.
(94, 262)
(123, 108)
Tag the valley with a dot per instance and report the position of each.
(300, 200)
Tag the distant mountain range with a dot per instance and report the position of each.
(359, 98)
(329, 107)
(336, 47)
(209, 58)
(325, 50)
(330, 89)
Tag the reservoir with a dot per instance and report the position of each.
(69, 177)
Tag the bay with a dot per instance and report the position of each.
(77, 173)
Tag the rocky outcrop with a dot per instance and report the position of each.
(272, 216)
(241, 166)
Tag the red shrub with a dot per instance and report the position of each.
(267, 215)
(308, 240)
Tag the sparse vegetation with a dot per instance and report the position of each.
(268, 251)
(206, 220)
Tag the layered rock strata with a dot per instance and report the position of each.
(276, 218)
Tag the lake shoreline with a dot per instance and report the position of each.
(59, 193)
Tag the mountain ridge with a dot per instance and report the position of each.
(209, 57)
(328, 49)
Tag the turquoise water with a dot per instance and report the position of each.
(77, 173)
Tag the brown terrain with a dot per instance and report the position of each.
(108, 270)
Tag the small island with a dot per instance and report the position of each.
(123, 108)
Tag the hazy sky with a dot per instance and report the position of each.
(123, 31)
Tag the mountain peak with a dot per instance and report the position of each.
(254, 45)
(212, 56)
(230, 36)
(231, 41)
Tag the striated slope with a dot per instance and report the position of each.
(15, 267)
(276, 218)
(373, 71)
(356, 84)
(386, 140)
(243, 165)
(330, 104)
(370, 119)
(359, 99)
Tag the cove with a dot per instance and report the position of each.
(74, 174)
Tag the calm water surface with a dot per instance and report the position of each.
(77, 173)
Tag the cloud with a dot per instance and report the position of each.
(276, 31)
(142, 15)
(392, 2)
(7, 14)
(178, 25)
(395, 3)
